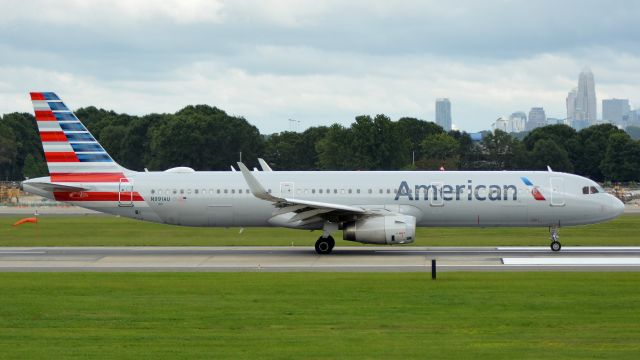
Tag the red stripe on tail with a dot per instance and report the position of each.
(53, 136)
(45, 115)
(61, 156)
(37, 96)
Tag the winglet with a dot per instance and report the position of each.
(256, 188)
(264, 165)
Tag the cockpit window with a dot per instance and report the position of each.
(591, 190)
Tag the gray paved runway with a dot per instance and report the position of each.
(304, 259)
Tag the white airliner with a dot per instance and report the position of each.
(374, 207)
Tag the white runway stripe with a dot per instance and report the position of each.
(572, 248)
(557, 260)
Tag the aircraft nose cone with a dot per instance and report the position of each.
(618, 206)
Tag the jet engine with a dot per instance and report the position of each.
(381, 229)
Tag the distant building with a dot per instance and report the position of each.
(616, 111)
(556, 121)
(443, 113)
(517, 122)
(500, 124)
(585, 105)
(537, 118)
(634, 118)
(571, 105)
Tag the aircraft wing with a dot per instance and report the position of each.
(305, 209)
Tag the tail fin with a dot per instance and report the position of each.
(72, 153)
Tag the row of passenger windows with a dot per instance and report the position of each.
(298, 191)
(585, 190)
(199, 192)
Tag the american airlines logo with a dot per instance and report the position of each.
(467, 192)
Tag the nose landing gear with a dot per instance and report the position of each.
(555, 242)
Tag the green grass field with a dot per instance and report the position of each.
(319, 315)
(114, 231)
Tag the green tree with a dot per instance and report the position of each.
(634, 132)
(439, 150)
(334, 150)
(621, 160)
(547, 153)
(8, 152)
(503, 151)
(593, 143)
(34, 167)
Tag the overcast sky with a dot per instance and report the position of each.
(318, 62)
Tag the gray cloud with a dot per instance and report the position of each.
(320, 62)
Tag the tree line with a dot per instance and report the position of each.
(207, 138)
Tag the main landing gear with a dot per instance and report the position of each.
(324, 245)
(555, 243)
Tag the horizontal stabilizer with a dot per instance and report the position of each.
(56, 187)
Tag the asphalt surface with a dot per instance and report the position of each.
(367, 259)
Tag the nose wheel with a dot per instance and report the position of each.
(325, 245)
(555, 242)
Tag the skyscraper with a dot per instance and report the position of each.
(537, 118)
(443, 113)
(616, 111)
(517, 122)
(571, 105)
(586, 107)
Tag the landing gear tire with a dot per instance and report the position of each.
(555, 243)
(325, 245)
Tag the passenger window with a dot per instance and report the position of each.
(269, 191)
(226, 191)
(313, 191)
(380, 191)
(358, 191)
(195, 191)
(320, 191)
(153, 191)
(233, 191)
(349, 191)
(181, 191)
(388, 191)
(328, 191)
(210, 191)
(240, 191)
(218, 191)
(335, 191)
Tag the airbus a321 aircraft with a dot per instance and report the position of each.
(373, 207)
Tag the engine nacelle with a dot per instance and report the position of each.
(390, 229)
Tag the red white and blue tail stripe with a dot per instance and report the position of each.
(71, 152)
